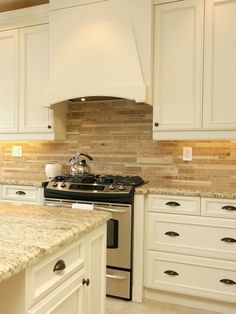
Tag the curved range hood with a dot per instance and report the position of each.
(94, 52)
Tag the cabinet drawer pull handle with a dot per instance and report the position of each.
(228, 281)
(228, 240)
(173, 204)
(171, 273)
(20, 193)
(86, 282)
(172, 234)
(156, 124)
(59, 266)
(229, 207)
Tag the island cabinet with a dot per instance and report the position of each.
(71, 280)
(194, 70)
(191, 249)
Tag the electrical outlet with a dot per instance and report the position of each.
(187, 153)
(16, 151)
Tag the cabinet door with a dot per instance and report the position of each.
(220, 65)
(96, 271)
(9, 81)
(68, 298)
(178, 64)
(34, 114)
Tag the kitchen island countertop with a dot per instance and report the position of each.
(30, 232)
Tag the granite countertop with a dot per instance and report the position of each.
(37, 183)
(174, 189)
(169, 188)
(30, 232)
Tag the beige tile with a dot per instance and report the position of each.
(116, 306)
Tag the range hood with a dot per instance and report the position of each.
(96, 49)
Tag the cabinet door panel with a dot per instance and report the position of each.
(34, 78)
(68, 298)
(220, 65)
(9, 81)
(178, 63)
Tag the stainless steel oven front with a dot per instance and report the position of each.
(119, 244)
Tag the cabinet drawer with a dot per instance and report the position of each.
(225, 208)
(21, 193)
(43, 277)
(192, 235)
(174, 204)
(191, 275)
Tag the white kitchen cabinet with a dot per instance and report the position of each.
(22, 193)
(77, 287)
(194, 70)
(191, 254)
(69, 298)
(178, 65)
(9, 83)
(26, 113)
(95, 292)
(34, 112)
(220, 65)
(195, 276)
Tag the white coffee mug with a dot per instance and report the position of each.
(52, 170)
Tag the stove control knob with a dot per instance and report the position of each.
(54, 184)
(111, 187)
(121, 187)
(63, 185)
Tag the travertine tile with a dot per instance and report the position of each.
(118, 135)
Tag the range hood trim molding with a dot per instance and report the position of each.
(137, 93)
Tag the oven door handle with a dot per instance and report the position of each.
(115, 277)
(58, 205)
(110, 209)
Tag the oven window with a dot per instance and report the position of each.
(112, 234)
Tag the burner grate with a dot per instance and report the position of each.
(100, 179)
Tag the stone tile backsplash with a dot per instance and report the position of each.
(118, 135)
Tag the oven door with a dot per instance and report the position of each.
(118, 235)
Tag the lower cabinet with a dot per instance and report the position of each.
(22, 193)
(70, 281)
(196, 276)
(68, 298)
(192, 252)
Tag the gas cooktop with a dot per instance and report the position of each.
(94, 186)
(100, 179)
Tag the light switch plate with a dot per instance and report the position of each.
(187, 153)
(16, 151)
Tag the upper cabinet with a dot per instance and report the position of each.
(194, 70)
(220, 65)
(34, 112)
(25, 110)
(9, 96)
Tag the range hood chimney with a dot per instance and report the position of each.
(94, 51)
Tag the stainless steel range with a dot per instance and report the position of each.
(110, 193)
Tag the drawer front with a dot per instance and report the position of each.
(191, 275)
(191, 235)
(225, 208)
(44, 276)
(174, 204)
(20, 193)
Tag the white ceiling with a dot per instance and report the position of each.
(7, 5)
